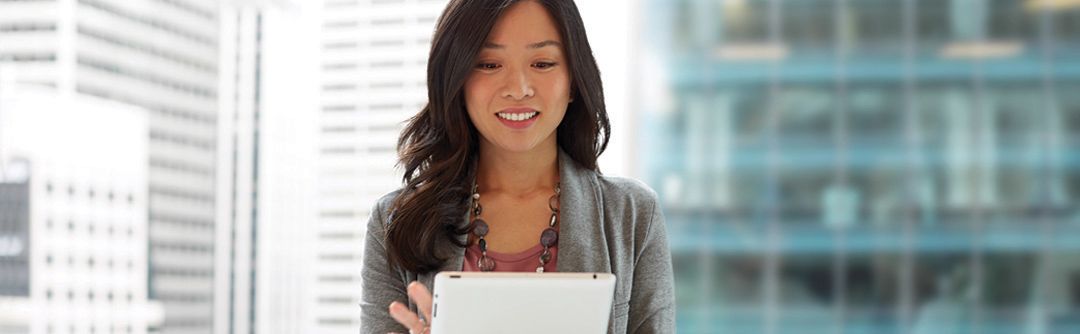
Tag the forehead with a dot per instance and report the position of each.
(524, 23)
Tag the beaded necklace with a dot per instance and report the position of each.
(548, 238)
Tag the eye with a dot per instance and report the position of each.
(488, 66)
(544, 65)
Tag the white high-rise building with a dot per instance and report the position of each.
(267, 150)
(374, 64)
(73, 218)
(160, 55)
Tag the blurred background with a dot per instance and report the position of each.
(825, 166)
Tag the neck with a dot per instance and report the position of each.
(517, 173)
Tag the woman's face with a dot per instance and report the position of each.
(519, 88)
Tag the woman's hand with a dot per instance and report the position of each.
(420, 295)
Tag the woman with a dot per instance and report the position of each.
(501, 174)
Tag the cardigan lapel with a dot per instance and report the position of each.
(580, 219)
(454, 262)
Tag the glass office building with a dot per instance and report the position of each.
(866, 166)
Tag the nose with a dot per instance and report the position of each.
(518, 85)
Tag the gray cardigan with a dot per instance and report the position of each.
(608, 224)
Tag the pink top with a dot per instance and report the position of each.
(526, 261)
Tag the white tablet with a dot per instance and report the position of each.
(486, 302)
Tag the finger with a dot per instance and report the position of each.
(405, 317)
(420, 294)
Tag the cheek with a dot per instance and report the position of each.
(475, 96)
(560, 87)
(557, 90)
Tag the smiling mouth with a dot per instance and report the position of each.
(518, 116)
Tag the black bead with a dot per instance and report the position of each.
(549, 237)
(481, 227)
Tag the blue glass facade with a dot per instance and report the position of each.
(866, 166)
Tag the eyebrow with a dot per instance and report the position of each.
(537, 45)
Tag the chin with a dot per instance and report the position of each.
(518, 148)
(518, 145)
(519, 142)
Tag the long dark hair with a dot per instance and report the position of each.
(439, 146)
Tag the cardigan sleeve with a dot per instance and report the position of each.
(652, 300)
(380, 285)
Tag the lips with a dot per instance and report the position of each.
(518, 118)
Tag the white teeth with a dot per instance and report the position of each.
(517, 117)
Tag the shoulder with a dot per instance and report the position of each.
(628, 193)
(386, 200)
(380, 211)
(627, 189)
